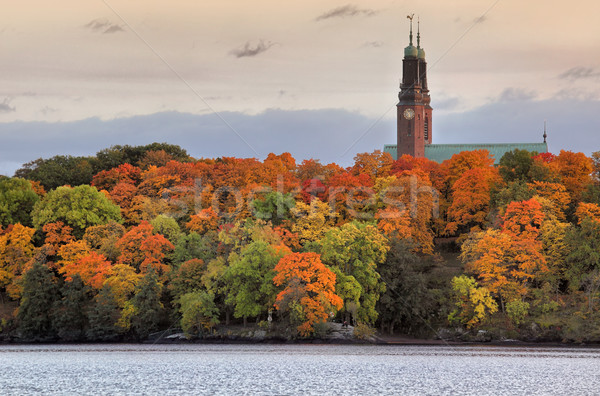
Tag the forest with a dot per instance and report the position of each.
(141, 239)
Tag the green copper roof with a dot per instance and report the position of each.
(441, 152)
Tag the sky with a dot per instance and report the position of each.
(318, 79)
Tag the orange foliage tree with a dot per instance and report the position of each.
(206, 220)
(575, 170)
(93, 269)
(375, 164)
(143, 250)
(587, 211)
(460, 163)
(508, 260)
(125, 173)
(471, 195)
(309, 290)
(412, 197)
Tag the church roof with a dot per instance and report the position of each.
(441, 152)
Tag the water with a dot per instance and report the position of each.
(297, 369)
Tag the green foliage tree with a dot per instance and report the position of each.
(250, 278)
(80, 207)
(69, 313)
(39, 293)
(515, 165)
(17, 199)
(583, 260)
(407, 304)
(103, 317)
(356, 249)
(147, 307)
(187, 278)
(199, 313)
(59, 171)
(168, 227)
(118, 155)
(196, 246)
(274, 207)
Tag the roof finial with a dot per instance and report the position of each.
(418, 32)
(545, 134)
(411, 16)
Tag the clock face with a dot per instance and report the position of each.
(409, 114)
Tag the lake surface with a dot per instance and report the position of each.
(297, 369)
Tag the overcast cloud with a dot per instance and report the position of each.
(322, 134)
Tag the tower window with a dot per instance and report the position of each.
(426, 129)
(409, 128)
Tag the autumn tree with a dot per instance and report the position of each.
(92, 269)
(142, 249)
(103, 239)
(109, 179)
(460, 163)
(16, 252)
(204, 221)
(412, 197)
(312, 220)
(471, 196)
(474, 304)
(575, 170)
(375, 164)
(308, 294)
(507, 261)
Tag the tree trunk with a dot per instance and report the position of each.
(227, 318)
(245, 321)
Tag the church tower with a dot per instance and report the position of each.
(414, 111)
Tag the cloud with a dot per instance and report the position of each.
(480, 19)
(48, 110)
(348, 10)
(572, 124)
(373, 44)
(321, 134)
(516, 95)
(580, 73)
(5, 106)
(104, 26)
(249, 49)
(446, 103)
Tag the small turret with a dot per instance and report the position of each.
(420, 51)
(545, 134)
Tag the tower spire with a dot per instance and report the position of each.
(411, 16)
(418, 32)
(545, 134)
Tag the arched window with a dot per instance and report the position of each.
(426, 129)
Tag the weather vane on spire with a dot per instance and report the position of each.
(411, 16)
